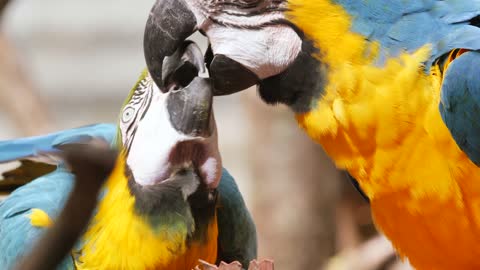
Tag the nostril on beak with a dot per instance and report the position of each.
(190, 109)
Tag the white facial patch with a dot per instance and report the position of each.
(153, 140)
(249, 33)
(210, 167)
(149, 138)
(266, 52)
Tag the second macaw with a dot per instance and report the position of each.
(166, 205)
(390, 89)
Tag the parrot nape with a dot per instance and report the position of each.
(389, 88)
(167, 203)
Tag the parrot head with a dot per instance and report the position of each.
(169, 138)
(252, 42)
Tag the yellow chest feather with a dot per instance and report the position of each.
(118, 238)
(383, 125)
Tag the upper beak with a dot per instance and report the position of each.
(169, 24)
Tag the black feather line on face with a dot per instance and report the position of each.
(300, 85)
(255, 13)
(250, 5)
(165, 200)
(253, 27)
(143, 95)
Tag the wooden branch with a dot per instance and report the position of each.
(254, 265)
(91, 166)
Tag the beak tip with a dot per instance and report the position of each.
(169, 24)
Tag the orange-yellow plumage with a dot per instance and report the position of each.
(206, 251)
(383, 125)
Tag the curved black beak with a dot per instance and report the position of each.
(189, 103)
(169, 24)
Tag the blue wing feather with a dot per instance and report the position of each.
(48, 193)
(400, 25)
(460, 103)
(29, 147)
(237, 236)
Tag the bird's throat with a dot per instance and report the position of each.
(119, 238)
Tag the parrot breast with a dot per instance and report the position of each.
(383, 125)
(118, 238)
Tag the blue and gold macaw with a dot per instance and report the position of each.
(167, 203)
(389, 88)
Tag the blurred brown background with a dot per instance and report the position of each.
(69, 63)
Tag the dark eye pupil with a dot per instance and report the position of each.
(127, 115)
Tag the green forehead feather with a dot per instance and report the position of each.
(142, 77)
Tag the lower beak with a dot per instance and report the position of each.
(190, 108)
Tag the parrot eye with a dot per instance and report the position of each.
(128, 114)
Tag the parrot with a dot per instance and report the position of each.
(168, 202)
(388, 88)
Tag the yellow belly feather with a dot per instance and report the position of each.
(383, 125)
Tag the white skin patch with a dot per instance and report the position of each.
(266, 50)
(150, 137)
(154, 138)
